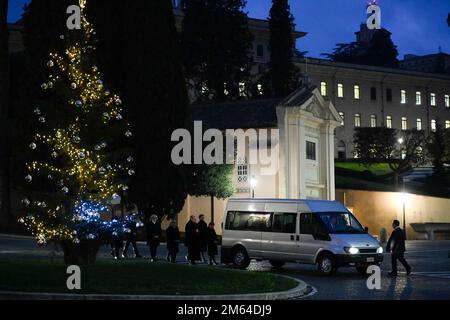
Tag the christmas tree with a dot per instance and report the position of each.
(80, 161)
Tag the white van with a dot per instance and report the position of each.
(305, 231)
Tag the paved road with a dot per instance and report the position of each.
(429, 259)
(430, 279)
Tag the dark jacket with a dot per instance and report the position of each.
(212, 242)
(396, 243)
(192, 241)
(203, 234)
(131, 224)
(173, 239)
(153, 233)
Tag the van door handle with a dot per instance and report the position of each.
(292, 238)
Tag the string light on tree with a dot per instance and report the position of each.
(82, 171)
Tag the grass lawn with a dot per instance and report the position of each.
(376, 168)
(137, 277)
(344, 182)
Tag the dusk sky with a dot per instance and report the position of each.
(418, 26)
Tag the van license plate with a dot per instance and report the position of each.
(370, 260)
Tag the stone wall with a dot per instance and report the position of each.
(376, 210)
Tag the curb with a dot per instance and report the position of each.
(301, 290)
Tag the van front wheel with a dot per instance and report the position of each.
(276, 264)
(240, 258)
(327, 264)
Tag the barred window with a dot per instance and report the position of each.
(242, 170)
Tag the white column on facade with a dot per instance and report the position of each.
(327, 133)
(293, 160)
(284, 154)
(301, 142)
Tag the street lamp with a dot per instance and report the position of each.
(400, 140)
(253, 183)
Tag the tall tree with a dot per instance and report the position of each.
(44, 22)
(379, 51)
(437, 149)
(284, 74)
(216, 45)
(79, 160)
(145, 66)
(113, 31)
(4, 92)
(400, 149)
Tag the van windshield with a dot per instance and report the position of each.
(341, 222)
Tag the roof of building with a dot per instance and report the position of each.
(299, 96)
(247, 114)
(237, 114)
(344, 65)
(412, 57)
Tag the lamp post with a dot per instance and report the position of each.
(253, 183)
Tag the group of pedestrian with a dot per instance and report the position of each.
(200, 239)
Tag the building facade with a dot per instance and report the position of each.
(368, 96)
(302, 152)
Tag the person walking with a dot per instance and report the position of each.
(153, 236)
(192, 240)
(396, 246)
(173, 240)
(131, 235)
(203, 229)
(212, 242)
(116, 241)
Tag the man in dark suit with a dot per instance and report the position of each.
(396, 246)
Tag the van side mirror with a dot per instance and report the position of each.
(366, 229)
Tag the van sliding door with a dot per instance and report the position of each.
(279, 241)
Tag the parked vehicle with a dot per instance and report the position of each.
(305, 231)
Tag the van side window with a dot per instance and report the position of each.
(284, 222)
(229, 221)
(252, 221)
(309, 224)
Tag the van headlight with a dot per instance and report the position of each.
(380, 250)
(351, 250)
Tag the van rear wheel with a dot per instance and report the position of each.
(327, 264)
(240, 258)
(276, 264)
